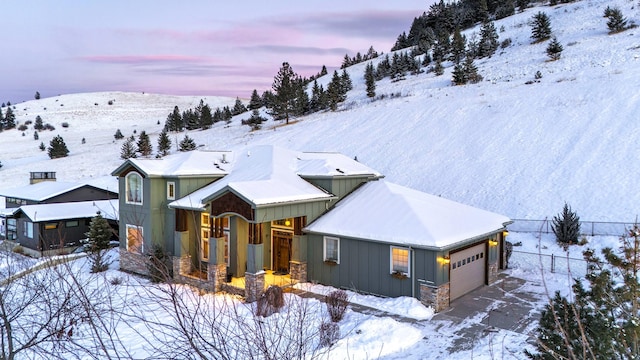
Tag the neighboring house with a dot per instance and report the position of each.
(314, 216)
(44, 190)
(52, 228)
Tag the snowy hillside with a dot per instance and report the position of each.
(510, 147)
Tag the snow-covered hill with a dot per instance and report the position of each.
(504, 145)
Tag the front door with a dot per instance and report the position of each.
(282, 254)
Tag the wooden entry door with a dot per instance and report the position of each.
(282, 251)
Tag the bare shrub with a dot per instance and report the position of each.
(329, 334)
(337, 302)
(270, 302)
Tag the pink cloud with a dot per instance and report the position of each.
(142, 59)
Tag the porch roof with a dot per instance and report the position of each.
(190, 163)
(264, 175)
(73, 210)
(387, 212)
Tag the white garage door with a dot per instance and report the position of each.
(467, 270)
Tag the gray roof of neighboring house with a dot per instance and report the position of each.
(41, 191)
(66, 211)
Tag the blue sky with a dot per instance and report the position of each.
(192, 47)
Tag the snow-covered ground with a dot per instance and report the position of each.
(518, 149)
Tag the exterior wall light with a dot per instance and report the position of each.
(505, 233)
(287, 223)
(445, 260)
(493, 242)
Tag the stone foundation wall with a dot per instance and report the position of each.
(134, 263)
(254, 286)
(492, 276)
(298, 271)
(218, 275)
(435, 296)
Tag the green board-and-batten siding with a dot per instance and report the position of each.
(365, 266)
(338, 186)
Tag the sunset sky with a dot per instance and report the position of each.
(194, 47)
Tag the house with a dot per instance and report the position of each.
(46, 229)
(268, 211)
(26, 207)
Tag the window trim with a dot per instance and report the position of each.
(72, 223)
(139, 228)
(391, 267)
(204, 256)
(171, 190)
(50, 226)
(126, 190)
(324, 248)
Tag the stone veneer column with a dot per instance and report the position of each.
(435, 296)
(253, 286)
(298, 270)
(217, 275)
(132, 262)
(493, 273)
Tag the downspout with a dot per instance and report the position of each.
(413, 273)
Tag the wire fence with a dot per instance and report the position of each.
(592, 228)
(558, 264)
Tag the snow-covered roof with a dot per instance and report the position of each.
(190, 163)
(262, 175)
(73, 210)
(321, 164)
(387, 212)
(41, 191)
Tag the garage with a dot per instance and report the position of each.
(467, 270)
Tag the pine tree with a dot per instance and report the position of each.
(458, 47)
(57, 148)
(37, 96)
(190, 119)
(284, 91)
(98, 238)
(540, 27)
(459, 75)
(1, 120)
(144, 144)
(347, 84)
(36, 136)
(164, 143)
(206, 119)
(370, 80)
(566, 226)
(617, 22)
(603, 319)
(128, 150)
(38, 124)
(9, 119)
(256, 100)
(238, 107)
(335, 94)
(317, 97)
(554, 49)
(174, 121)
(118, 135)
(471, 71)
(187, 144)
(42, 147)
(438, 69)
(226, 114)
(488, 39)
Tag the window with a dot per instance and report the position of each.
(171, 190)
(28, 229)
(133, 190)
(332, 249)
(285, 223)
(50, 226)
(135, 243)
(205, 234)
(73, 223)
(400, 260)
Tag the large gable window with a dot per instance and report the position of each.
(332, 249)
(133, 191)
(135, 242)
(171, 190)
(400, 262)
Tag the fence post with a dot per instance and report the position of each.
(553, 263)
